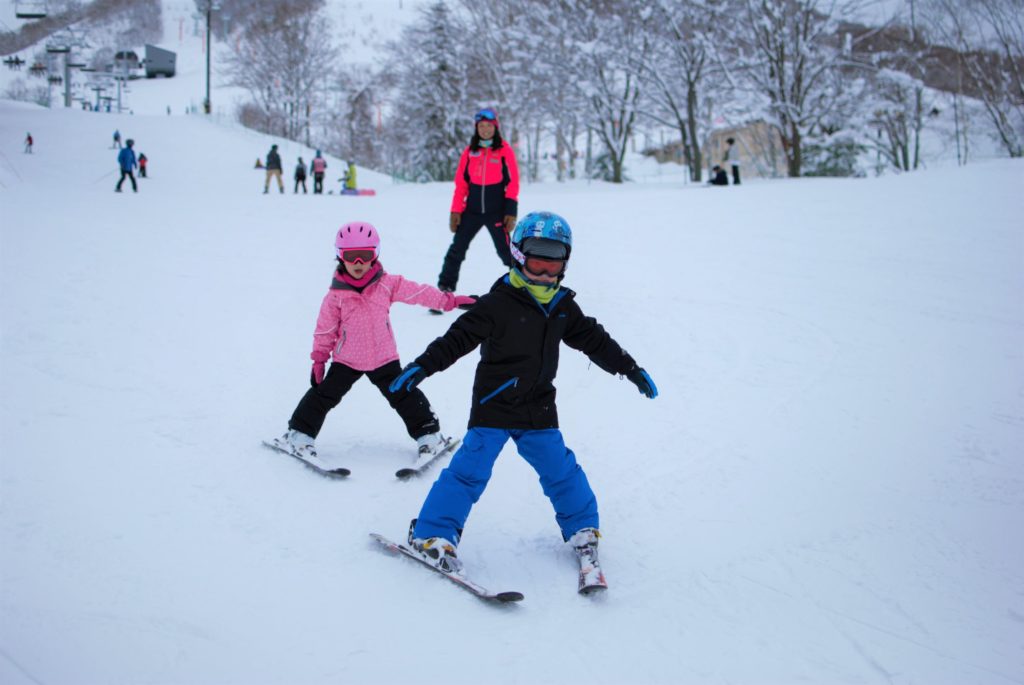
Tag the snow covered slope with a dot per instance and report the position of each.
(826, 490)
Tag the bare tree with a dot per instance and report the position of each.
(989, 38)
(284, 59)
(789, 52)
(682, 60)
(898, 116)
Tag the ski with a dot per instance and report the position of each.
(321, 467)
(424, 462)
(461, 581)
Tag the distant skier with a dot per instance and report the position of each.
(354, 331)
(718, 176)
(318, 167)
(117, 140)
(273, 170)
(486, 194)
(143, 160)
(349, 179)
(300, 176)
(28, 143)
(732, 158)
(519, 326)
(127, 162)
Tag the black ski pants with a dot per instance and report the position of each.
(413, 407)
(735, 174)
(469, 226)
(127, 173)
(318, 184)
(300, 180)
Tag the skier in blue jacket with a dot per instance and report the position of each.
(519, 326)
(126, 158)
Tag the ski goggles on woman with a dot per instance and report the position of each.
(356, 256)
(541, 266)
(485, 115)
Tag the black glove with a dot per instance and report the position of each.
(643, 382)
(410, 377)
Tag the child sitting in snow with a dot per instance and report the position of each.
(520, 324)
(354, 331)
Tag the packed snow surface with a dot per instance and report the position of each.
(826, 490)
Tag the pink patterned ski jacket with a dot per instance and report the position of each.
(354, 328)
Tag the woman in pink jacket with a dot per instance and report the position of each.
(353, 330)
(486, 195)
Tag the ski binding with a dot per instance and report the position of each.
(316, 464)
(460, 580)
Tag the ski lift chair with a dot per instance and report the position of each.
(30, 9)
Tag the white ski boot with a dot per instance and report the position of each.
(584, 544)
(297, 444)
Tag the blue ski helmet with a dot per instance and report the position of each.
(541, 234)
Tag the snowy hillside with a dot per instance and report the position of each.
(825, 491)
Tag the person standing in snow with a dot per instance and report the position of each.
(143, 160)
(486, 194)
(127, 162)
(300, 177)
(353, 331)
(732, 158)
(117, 140)
(273, 170)
(318, 167)
(28, 143)
(519, 326)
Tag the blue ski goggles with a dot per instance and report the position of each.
(485, 115)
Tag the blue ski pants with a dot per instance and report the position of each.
(459, 486)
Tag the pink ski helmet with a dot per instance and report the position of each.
(357, 235)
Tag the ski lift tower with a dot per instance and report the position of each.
(208, 7)
(30, 9)
(62, 49)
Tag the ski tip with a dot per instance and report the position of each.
(593, 589)
(339, 472)
(506, 597)
(405, 474)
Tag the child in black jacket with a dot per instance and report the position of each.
(520, 325)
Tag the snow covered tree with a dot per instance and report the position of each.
(606, 42)
(681, 63)
(431, 126)
(789, 51)
(284, 59)
(989, 38)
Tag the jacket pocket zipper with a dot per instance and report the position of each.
(511, 382)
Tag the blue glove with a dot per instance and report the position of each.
(410, 377)
(641, 380)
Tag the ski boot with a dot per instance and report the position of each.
(437, 552)
(584, 544)
(297, 444)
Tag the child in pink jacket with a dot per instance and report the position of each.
(353, 330)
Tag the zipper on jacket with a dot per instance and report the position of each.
(341, 343)
(512, 381)
(483, 183)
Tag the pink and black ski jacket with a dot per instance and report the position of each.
(354, 325)
(487, 182)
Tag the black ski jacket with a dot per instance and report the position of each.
(519, 339)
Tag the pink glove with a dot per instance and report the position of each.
(465, 301)
(316, 376)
